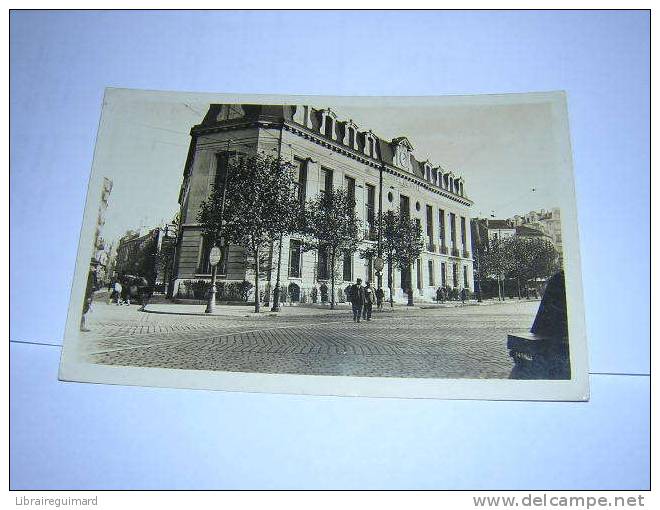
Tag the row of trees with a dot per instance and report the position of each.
(524, 260)
(263, 204)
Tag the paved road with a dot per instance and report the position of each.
(464, 342)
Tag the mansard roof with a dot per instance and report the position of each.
(221, 114)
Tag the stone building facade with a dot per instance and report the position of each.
(327, 152)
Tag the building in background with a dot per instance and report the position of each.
(500, 229)
(327, 152)
(546, 221)
(148, 253)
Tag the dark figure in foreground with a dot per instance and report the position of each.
(369, 298)
(144, 292)
(380, 296)
(357, 299)
(87, 303)
(543, 353)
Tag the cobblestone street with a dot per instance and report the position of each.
(459, 342)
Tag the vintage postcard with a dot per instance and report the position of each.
(422, 247)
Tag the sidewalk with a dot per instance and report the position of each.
(304, 309)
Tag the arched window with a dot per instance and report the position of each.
(294, 292)
(328, 123)
(427, 170)
(350, 134)
(369, 144)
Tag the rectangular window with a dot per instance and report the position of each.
(443, 273)
(405, 279)
(452, 229)
(221, 161)
(431, 275)
(404, 206)
(463, 233)
(324, 264)
(301, 179)
(370, 212)
(326, 180)
(295, 259)
(465, 277)
(454, 275)
(441, 222)
(204, 266)
(350, 186)
(420, 278)
(348, 266)
(429, 223)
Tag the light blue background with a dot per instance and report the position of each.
(75, 435)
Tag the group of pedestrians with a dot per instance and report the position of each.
(126, 287)
(362, 299)
(447, 293)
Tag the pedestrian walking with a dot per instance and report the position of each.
(144, 292)
(369, 298)
(357, 299)
(438, 295)
(115, 294)
(380, 297)
(126, 291)
(464, 295)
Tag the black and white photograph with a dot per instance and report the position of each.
(416, 247)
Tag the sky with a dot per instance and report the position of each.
(507, 153)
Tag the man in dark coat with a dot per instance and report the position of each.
(357, 299)
(144, 292)
(380, 295)
(369, 298)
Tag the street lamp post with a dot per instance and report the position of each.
(214, 258)
(380, 229)
(276, 291)
(215, 251)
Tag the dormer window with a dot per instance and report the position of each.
(427, 170)
(328, 123)
(350, 135)
(303, 115)
(369, 144)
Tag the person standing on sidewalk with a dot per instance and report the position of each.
(464, 295)
(357, 299)
(369, 298)
(380, 296)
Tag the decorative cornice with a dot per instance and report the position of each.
(374, 163)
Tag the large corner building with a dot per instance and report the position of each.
(327, 152)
